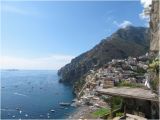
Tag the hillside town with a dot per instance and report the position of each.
(131, 72)
(124, 88)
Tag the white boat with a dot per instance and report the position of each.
(52, 110)
(64, 104)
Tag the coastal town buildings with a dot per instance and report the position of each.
(127, 79)
(134, 80)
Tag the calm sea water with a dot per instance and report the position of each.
(35, 93)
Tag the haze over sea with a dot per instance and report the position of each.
(35, 92)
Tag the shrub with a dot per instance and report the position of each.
(119, 114)
(116, 102)
(128, 84)
(101, 112)
(154, 66)
(154, 71)
(140, 71)
(155, 83)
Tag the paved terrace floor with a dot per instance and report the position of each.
(137, 93)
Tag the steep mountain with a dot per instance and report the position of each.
(129, 41)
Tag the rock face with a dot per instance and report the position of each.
(129, 41)
(154, 44)
(154, 25)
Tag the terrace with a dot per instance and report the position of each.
(136, 101)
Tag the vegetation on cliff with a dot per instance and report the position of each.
(129, 41)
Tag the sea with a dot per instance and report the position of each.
(34, 94)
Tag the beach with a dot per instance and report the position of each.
(81, 113)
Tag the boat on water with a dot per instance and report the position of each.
(52, 110)
(17, 108)
(64, 104)
(26, 115)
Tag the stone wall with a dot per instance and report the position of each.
(154, 25)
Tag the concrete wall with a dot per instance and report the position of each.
(143, 108)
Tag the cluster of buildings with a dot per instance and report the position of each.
(117, 73)
(131, 70)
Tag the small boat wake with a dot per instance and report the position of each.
(20, 94)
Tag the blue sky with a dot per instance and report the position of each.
(47, 35)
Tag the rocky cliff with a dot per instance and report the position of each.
(154, 25)
(129, 41)
(154, 45)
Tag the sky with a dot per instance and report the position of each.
(47, 35)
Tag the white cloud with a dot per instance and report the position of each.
(146, 3)
(116, 23)
(145, 13)
(124, 24)
(51, 62)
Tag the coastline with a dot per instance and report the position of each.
(81, 112)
